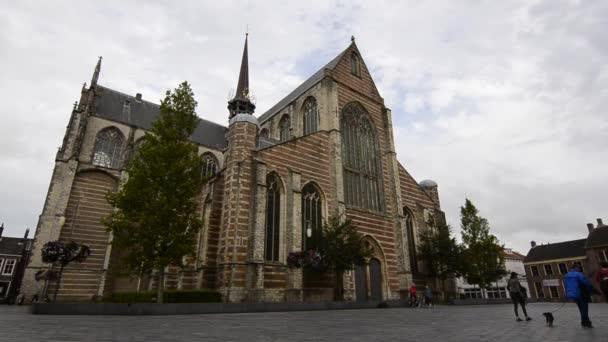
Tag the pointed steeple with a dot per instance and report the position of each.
(96, 73)
(241, 103)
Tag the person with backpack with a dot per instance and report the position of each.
(579, 289)
(517, 293)
(601, 277)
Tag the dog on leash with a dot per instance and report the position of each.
(549, 317)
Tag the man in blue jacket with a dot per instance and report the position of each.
(579, 289)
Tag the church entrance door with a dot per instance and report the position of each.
(375, 279)
(360, 284)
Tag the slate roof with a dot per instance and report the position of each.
(314, 79)
(11, 245)
(560, 250)
(597, 237)
(109, 105)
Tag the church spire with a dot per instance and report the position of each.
(96, 73)
(241, 103)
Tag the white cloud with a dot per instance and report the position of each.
(502, 102)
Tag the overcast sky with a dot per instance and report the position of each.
(502, 102)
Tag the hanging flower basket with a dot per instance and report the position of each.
(307, 259)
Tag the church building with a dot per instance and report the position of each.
(327, 148)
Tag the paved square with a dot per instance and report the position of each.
(442, 323)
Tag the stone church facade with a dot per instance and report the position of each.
(325, 149)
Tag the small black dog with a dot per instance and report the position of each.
(549, 317)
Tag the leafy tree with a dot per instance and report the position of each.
(483, 259)
(440, 253)
(156, 221)
(342, 249)
(55, 252)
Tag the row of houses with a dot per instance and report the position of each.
(547, 264)
(14, 256)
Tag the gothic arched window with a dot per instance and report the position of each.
(311, 116)
(355, 65)
(108, 148)
(264, 133)
(273, 217)
(312, 223)
(411, 239)
(361, 159)
(284, 126)
(209, 165)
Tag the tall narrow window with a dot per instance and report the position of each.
(209, 165)
(312, 223)
(273, 217)
(355, 65)
(311, 116)
(264, 133)
(108, 148)
(411, 242)
(284, 126)
(361, 159)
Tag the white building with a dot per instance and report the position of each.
(514, 262)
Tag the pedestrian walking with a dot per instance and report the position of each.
(428, 296)
(413, 298)
(601, 277)
(517, 296)
(579, 289)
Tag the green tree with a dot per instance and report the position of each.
(342, 249)
(483, 259)
(55, 252)
(440, 253)
(156, 222)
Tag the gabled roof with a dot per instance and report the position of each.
(514, 255)
(597, 237)
(560, 250)
(109, 105)
(12, 245)
(314, 79)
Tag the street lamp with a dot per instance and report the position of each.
(308, 229)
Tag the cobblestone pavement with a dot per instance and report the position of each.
(442, 323)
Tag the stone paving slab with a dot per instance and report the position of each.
(441, 323)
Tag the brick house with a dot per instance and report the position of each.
(14, 254)
(327, 148)
(546, 265)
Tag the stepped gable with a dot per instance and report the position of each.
(109, 105)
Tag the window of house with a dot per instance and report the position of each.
(311, 116)
(273, 217)
(9, 267)
(562, 268)
(473, 293)
(496, 292)
(209, 165)
(602, 255)
(355, 65)
(284, 126)
(311, 217)
(108, 148)
(534, 270)
(1, 264)
(361, 159)
(411, 242)
(539, 290)
(548, 269)
(554, 291)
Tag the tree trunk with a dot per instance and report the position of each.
(339, 294)
(160, 286)
(58, 283)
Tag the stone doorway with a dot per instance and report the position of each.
(360, 284)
